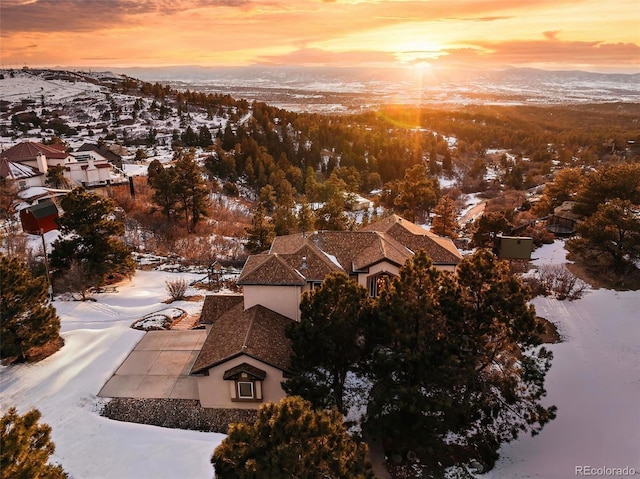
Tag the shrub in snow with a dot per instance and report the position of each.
(177, 288)
(556, 280)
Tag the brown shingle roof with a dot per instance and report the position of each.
(253, 371)
(441, 250)
(312, 263)
(391, 239)
(356, 250)
(270, 269)
(287, 244)
(215, 305)
(28, 150)
(383, 248)
(257, 332)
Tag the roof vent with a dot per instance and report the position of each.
(304, 263)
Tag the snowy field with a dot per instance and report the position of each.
(594, 381)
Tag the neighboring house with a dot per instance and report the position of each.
(109, 155)
(23, 175)
(87, 168)
(90, 169)
(31, 194)
(246, 354)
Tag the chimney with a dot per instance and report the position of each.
(41, 161)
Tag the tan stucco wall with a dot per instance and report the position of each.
(446, 267)
(215, 392)
(281, 299)
(377, 268)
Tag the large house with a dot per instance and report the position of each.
(246, 354)
(28, 163)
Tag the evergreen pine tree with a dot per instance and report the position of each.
(447, 163)
(190, 189)
(611, 234)
(91, 235)
(327, 342)
(418, 194)
(26, 447)
(487, 227)
(289, 439)
(27, 318)
(445, 221)
(260, 234)
(460, 359)
(163, 181)
(306, 218)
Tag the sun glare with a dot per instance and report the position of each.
(422, 67)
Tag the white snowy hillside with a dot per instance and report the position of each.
(87, 109)
(20, 85)
(594, 381)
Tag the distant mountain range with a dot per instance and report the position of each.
(347, 88)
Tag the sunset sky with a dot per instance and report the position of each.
(593, 35)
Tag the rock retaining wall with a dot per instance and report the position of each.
(175, 413)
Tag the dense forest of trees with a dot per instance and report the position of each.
(377, 147)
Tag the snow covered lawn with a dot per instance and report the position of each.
(595, 382)
(64, 388)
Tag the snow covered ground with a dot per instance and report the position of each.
(64, 387)
(594, 381)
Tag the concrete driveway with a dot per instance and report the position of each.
(158, 367)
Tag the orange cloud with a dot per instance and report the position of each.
(550, 51)
(317, 32)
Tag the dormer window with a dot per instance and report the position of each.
(245, 389)
(247, 382)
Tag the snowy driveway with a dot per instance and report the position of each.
(158, 367)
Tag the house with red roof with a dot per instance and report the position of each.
(245, 356)
(85, 168)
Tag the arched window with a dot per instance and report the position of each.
(377, 282)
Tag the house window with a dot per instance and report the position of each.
(247, 382)
(245, 390)
(377, 283)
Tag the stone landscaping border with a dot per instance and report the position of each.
(175, 413)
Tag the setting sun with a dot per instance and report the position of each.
(554, 35)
